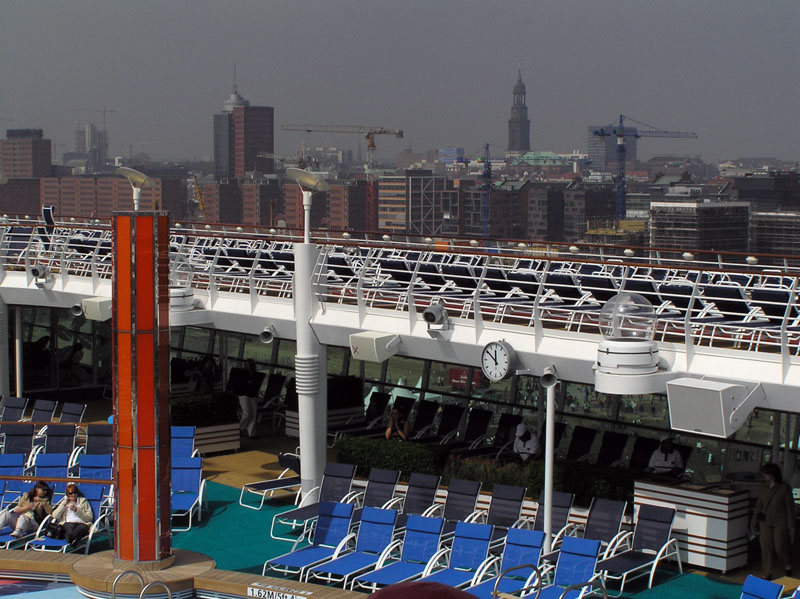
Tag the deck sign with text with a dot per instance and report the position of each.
(271, 591)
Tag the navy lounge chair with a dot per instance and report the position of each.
(286, 481)
(381, 486)
(337, 481)
(504, 510)
(462, 496)
(651, 544)
(420, 495)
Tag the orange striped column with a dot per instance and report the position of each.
(141, 386)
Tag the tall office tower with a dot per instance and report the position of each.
(25, 154)
(602, 150)
(241, 132)
(519, 126)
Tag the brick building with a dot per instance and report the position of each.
(25, 153)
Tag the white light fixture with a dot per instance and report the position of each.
(629, 252)
(138, 181)
(428, 240)
(272, 231)
(574, 249)
(473, 243)
(239, 229)
(387, 238)
(207, 227)
(178, 225)
(521, 245)
(751, 260)
(345, 235)
(688, 256)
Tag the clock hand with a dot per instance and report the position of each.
(494, 357)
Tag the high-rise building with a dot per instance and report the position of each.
(25, 153)
(432, 204)
(347, 205)
(392, 203)
(519, 127)
(241, 133)
(602, 149)
(687, 222)
(508, 210)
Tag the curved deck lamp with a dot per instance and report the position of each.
(138, 181)
(311, 354)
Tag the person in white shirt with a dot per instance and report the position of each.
(526, 443)
(666, 459)
(75, 513)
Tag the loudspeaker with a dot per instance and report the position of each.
(549, 377)
(373, 346)
(76, 310)
(96, 308)
(709, 407)
(267, 335)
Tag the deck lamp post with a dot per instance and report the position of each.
(548, 381)
(138, 181)
(310, 375)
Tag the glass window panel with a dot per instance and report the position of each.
(336, 360)
(449, 378)
(74, 349)
(404, 371)
(371, 370)
(757, 428)
(287, 349)
(255, 350)
(486, 390)
(196, 340)
(233, 345)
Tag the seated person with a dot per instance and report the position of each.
(33, 507)
(666, 460)
(526, 443)
(75, 513)
(398, 426)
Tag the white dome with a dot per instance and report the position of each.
(627, 317)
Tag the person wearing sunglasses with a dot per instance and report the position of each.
(75, 512)
(33, 507)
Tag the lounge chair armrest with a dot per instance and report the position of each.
(621, 540)
(525, 522)
(448, 437)
(375, 422)
(386, 554)
(477, 516)
(433, 510)
(502, 450)
(309, 498)
(435, 560)
(560, 534)
(423, 431)
(356, 497)
(480, 572)
(479, 441)
(394, 503)
(306, 536)
(343, 544)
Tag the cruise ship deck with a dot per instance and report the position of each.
(729, 319)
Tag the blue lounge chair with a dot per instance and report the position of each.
(650, 543)
(373, 539)
(419, 544)
(327, 538)
(266, 488)
(94, 495)
(182, 442)
(457, 565)
(11, 464)
(575, 569)
(188, 489)
(758, 588)
(336, 483)
(98, 467)
(522, 547)
(49, 466)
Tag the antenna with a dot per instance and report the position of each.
(235, 90)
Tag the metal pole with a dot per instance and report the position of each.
(18, 349)
(549, 461)
(137, 196)
(311, 403)
(5, 378)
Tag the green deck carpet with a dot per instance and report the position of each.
(234, 537)
(689, 586)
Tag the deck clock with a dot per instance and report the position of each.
(497, 360)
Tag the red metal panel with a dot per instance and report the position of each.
(147, 506)
(125, 530)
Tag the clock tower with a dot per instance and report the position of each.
(519, 126)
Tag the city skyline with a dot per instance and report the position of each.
(443, 75)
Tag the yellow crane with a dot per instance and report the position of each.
(198, 195)
(366, 131)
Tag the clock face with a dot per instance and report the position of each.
(496, 360)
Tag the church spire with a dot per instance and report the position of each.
(518, 125)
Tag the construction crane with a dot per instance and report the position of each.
(198, 195)
(368, 132)
(302, 158)
(619, 133)
(104, 111)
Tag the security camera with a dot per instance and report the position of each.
(76, 310)
(267, 335)
(435, 314)
(39, 272)
(549, 377)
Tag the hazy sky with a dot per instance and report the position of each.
(442, 71)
